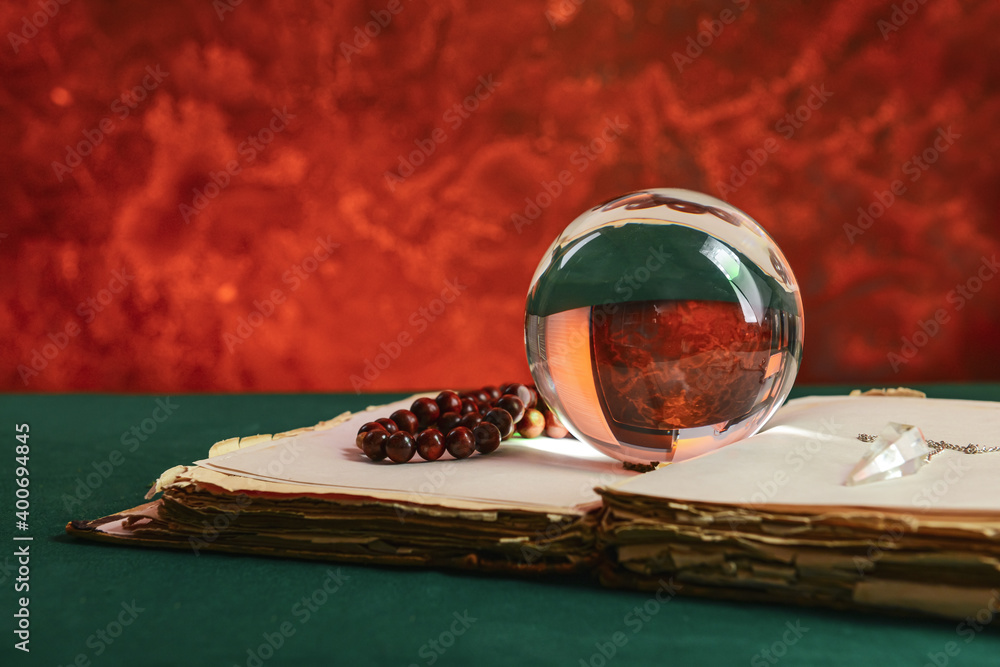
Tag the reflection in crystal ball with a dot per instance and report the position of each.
(662, 325)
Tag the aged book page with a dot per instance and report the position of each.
(540, 474)
(806, 451)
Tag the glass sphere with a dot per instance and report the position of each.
(662, 325)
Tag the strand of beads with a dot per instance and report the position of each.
(460, 424)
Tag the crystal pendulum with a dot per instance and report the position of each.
(899, 450)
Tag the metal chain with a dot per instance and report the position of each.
(938, 446)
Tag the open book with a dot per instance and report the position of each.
(767, 518)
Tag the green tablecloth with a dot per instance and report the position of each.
(104, 605)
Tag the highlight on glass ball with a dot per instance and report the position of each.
(662, 325)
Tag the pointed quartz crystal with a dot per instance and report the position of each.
(899, 450)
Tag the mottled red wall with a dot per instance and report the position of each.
(561, 72)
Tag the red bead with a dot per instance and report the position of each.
(493, 392)
(532, 424)
(405, 420)
(532, 397)
(426, 410)
(448, 421)
(400, 447)
(527, 395)
(471, 420)
(479, 398)
(460, 442)
(373, 444)
(553, 427)
(370, 426)
(389, 425)
(430, 444)
(502, 420)
(448, 401)
(513, 405)
(469, 405)
(487, 437)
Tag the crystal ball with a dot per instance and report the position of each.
(662, 325)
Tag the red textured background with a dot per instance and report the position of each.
(561, 74)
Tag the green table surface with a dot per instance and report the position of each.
(213, 609)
